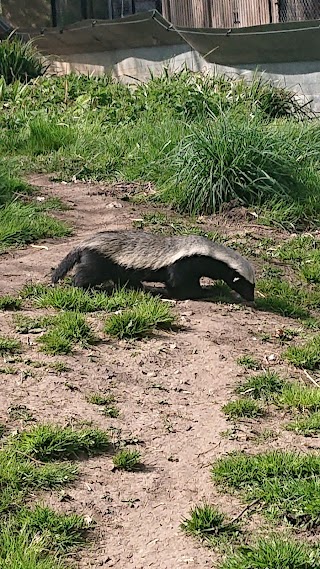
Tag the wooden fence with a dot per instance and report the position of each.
(237, 13)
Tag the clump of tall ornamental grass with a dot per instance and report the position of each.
(20, 60)
(237, 156)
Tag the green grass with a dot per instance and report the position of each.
(111, 411)
(306, 355)
(9, 302)
(127, 460)
(142, 320)
(68, 329)
(300, 397)
(262, 386)
(248, 362)
(243, 408)
(100, 399)
(9, 345)
(26, 324)
(59, 367)
(19, 60)
(21, 224)
(234, 156)
(282, 298)
(208, 524)
(31, 461)
(60, 532)
(286, 484)
(308, 426)
(48, 442)
(274, 553)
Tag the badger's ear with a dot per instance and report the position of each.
(235, 279)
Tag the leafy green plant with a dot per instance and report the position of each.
(20, 60)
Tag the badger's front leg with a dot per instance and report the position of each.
(182, 281)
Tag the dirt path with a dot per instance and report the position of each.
(169, 390)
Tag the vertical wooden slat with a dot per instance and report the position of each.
(237, 13)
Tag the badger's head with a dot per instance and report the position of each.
(242, 286)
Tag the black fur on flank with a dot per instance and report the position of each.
(131, 257)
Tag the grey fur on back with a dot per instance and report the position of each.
(141, 250)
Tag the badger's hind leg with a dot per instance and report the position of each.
(183, 280)
(91, 271)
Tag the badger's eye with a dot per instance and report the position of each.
(236, 279)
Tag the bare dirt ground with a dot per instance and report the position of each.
(169, 389)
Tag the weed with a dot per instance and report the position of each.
(274, 553)
(249, 362)
(307, 355)
(127, 460)
(242, 408)
(9, 345)
(8, 302)
(207, 523)
(308, 426)
(10, 370)
(262, 386)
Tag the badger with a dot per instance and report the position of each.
(127, 258)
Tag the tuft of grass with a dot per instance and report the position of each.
(68, 329)
(306, 355)
(10, 370)
(249, 362)
(100, 399)
(60, 532)
(274, 553)
(141, 320)
(262, 386)
(21, 224)
(111, 411)
(300, 397)
(208, 524)
(47, 135)
(286, 484)
(59, 367)
(49, 442)
(242, 408)
(127, 460)
(308, 426)
(8, 302)
(237, 157)
(9, 345)
(27, 324)
(20, 60)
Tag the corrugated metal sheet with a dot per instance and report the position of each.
(237, 13)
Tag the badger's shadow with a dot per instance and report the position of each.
(216, 293)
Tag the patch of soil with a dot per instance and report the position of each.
(169, 389)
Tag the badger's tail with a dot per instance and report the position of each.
(66, 265)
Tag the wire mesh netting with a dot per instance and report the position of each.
(297, 10)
